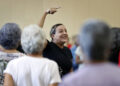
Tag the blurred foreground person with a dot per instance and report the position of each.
(95, 42)
(33, 69)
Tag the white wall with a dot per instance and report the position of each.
(72, 14)
(22, 12)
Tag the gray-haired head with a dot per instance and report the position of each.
(33, 39)
(10, 35)
(95, 40)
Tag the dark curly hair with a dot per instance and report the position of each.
(115, 45)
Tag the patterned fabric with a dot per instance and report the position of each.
(4, 59)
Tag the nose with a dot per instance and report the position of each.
(65, 32)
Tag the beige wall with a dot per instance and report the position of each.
(72, 14)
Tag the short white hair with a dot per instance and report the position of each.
(33, 39)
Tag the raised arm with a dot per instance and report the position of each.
(42, 20)
(49, 11)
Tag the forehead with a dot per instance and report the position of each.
(61, 27)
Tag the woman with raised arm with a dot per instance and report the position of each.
(55, 49)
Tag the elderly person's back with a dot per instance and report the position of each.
(33, 69)
(95, 41)
(10, 35)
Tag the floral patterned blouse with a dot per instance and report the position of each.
(4, 59)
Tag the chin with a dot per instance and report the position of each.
(62, 42)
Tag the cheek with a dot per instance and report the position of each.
(56, 37)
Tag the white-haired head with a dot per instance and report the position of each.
(33, 39)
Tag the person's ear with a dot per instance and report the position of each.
(53, 35)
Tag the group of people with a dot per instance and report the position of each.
(42, 63)
(46, 63)
(114, 56)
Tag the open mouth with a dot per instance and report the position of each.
(65, 37)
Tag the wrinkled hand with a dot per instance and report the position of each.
(52, 10)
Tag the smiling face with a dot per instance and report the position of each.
(60, 35)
